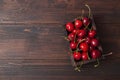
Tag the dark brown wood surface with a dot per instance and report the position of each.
(32, 46)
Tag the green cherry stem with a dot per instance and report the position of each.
(88, 56)
(96, 65)
(80, 42)
(80, 65)
(65, 38)
(86, 26)
(78, 68)
(88, 15)
(88, 9)
(75, 37)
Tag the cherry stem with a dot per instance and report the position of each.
(66, 38)
(88, 9)
(79, 17)
(86, 26)
(107, 54)
(79, 67)
(96, 65)
(88, 56)
(80, 42)
(75, 37)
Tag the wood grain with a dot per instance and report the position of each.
(32, 46)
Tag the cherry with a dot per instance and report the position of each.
(84, 56)
(81, 33)
(75, 31)
(91, 48)
(95, 54)
(88, 40)
(84, 46)
(92, 33)
(77, 55)
(94, 42)
(78, 24)
(73, 45)
(71, 36)
(69, 27)
(79, 39)
(86, 21)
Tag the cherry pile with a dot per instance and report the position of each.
(82, 36)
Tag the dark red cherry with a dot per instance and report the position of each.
(92, 33)
(84, 46)
(77, 55)
(71, 37)
(86, 21)
(69, 27)
(81, 33)
(74, 31)
(91, 48)
(84, 56)
(88, 40)
(78, 24)
(79, 39)
(73, 45)
(94, 42)
(95, 54)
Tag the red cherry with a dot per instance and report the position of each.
(73, 45)
(92, 33)
(77, 55)
(88, 40)
(95, 54)
(91, 48)
(78, 24)
(94, 42)
(71, 37)
(74, 31)
(69, 27)
(84, 56)
(84, 46)
(79, 39)
(81, 33)
(86, 21)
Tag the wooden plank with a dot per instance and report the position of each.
(45, 11)
(60, 70)
(57, 77)
(21, 30)
(22, 42)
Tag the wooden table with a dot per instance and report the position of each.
(32, 46)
